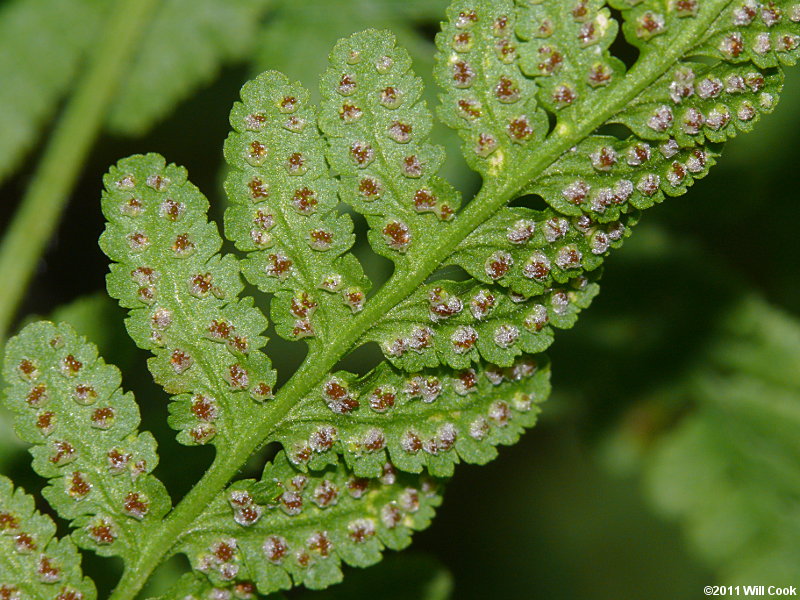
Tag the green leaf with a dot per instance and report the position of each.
(595, 184)
(566, 48)
(532, 251)
(283, 212)
(486, 98)
(295, 529)
(377, 130)
(463, 373)
(742, 31)
(673, 105)
(581, 184)
(100, 319)
(429, 420)
(33, 562)
(86, 441)
(458, 323)
(299, 47)
(183, 298)
(41, 46)
(185, 48)
(728, 471)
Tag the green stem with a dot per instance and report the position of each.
(162, 544)
(488, 201)
(55, 176)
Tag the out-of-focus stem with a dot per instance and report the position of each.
(77, 129)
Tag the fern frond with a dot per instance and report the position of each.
(41, 46)
(290, 528)
(33, 562)
(84, 429)
(446, 338)
(184, 300)
(728, 470)
(283, 212)
(531, 87)
(377, 128)
(198, 37)
(428, 420)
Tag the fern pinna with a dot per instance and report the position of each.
(529, 87)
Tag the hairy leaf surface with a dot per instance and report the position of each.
(532, 251)
(290, 528)
(184, 300)
(486, 98)
(284, 212)
(458, 323)
(544, 111)
(86, 441)
(377, 128)
(429, 420)
(33, 562)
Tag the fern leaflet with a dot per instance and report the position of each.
(84, 430)
(530, 87)
(34, 563)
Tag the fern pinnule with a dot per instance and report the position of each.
(458, 323)
(565, 48)
(84, 432)
(377, 129)
(283, 212)
(34, 562)
(428, 420)
(290, 528)
(531, 251)
(485, 97)
(535, 93)
(183, 298)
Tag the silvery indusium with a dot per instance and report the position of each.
(527, 86)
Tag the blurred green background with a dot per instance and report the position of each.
(668, 456)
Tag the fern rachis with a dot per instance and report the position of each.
(463, 371)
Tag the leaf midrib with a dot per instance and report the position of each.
(489, 200)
